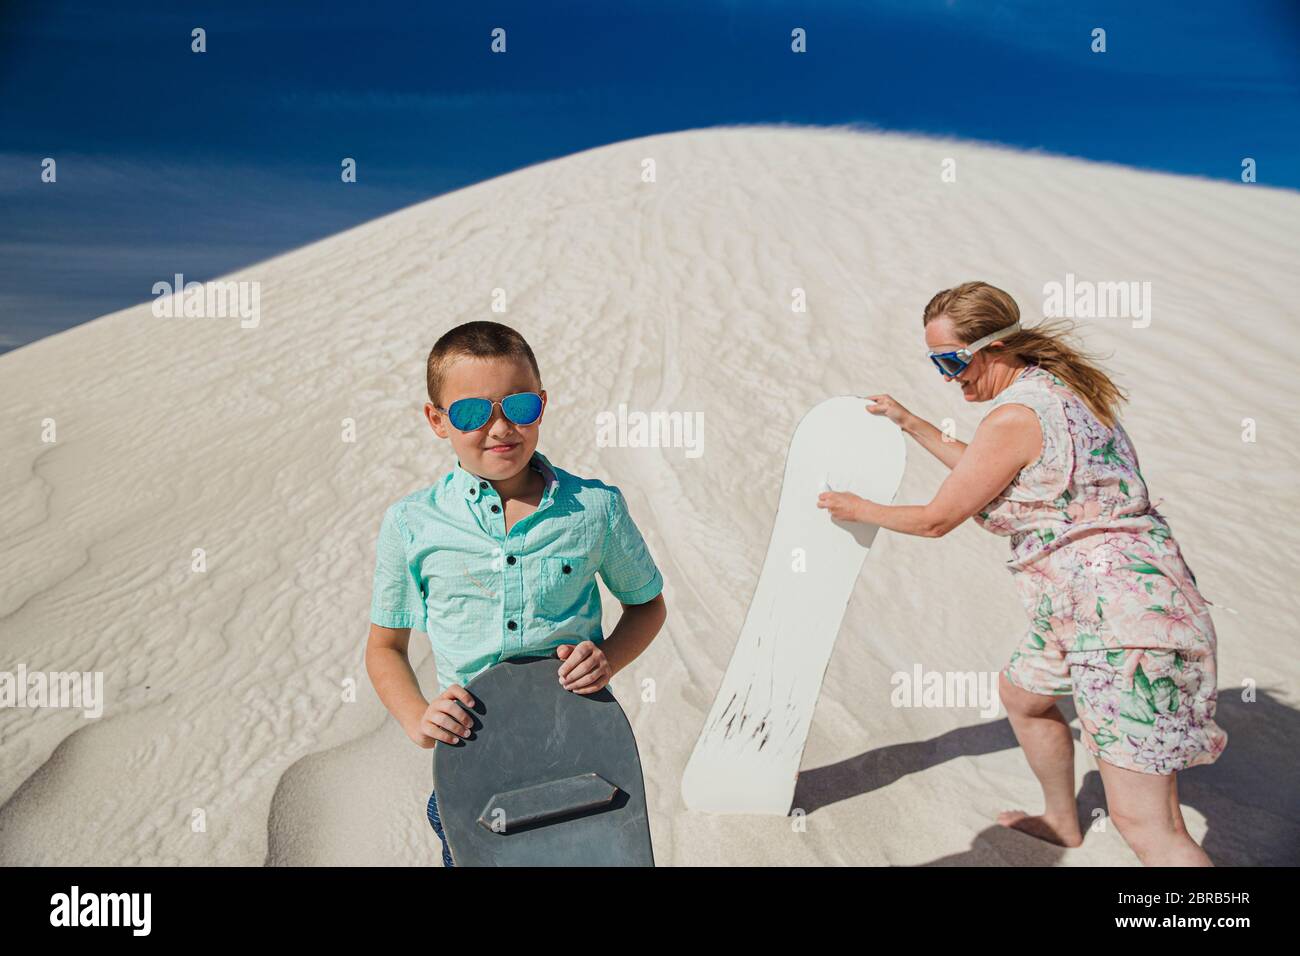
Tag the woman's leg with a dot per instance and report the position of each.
(1044, 736)
(1144, 807)
(1175, 807)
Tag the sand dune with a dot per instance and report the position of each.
(225, 689)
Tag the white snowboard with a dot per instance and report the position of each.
(747, 757)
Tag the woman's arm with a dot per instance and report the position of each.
(947, 450)
(1008, 439)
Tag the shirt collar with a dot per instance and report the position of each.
(471, 486)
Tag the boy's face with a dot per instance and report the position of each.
(500, 449)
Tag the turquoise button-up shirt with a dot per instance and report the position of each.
(446, 566)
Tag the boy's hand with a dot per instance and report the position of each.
(445, 719)
(585, 669)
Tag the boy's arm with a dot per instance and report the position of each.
(445, 718)
(587, 667)
(394, 681)
(397, 605)
(626, 565)
(632, 577)
(425, 722)
(636, 628)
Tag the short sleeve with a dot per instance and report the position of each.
(626, 566)
(397, 599)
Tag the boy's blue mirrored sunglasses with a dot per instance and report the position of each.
(954, 363)
(471, 414)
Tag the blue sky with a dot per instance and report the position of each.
(171, 161)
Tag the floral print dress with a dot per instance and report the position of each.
(1115, 613)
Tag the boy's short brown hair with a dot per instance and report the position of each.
(477, 340)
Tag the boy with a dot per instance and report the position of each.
(498, 559)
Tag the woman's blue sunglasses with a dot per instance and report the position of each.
(954, 363)
(471, 414)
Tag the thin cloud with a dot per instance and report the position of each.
(382, 101)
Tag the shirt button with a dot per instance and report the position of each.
(510, 559)
(496, 508)
(566, 569)
(473, 491)
(482, 484)
(511, 624)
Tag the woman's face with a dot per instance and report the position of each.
(975, 379)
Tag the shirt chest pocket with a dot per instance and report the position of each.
(560, 584)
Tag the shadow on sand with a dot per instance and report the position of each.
(1250, 796)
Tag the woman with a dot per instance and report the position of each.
(1115, 614)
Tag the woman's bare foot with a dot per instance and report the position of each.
(1062, 831)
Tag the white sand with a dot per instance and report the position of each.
(224, 688)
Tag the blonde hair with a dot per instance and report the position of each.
(978, 309)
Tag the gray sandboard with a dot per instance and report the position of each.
(547, 777)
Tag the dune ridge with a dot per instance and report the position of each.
(226, 687)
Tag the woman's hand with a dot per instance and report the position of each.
(887, 406)
(843, 505)
(585, 669)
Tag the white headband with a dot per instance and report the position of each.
(992, 337)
